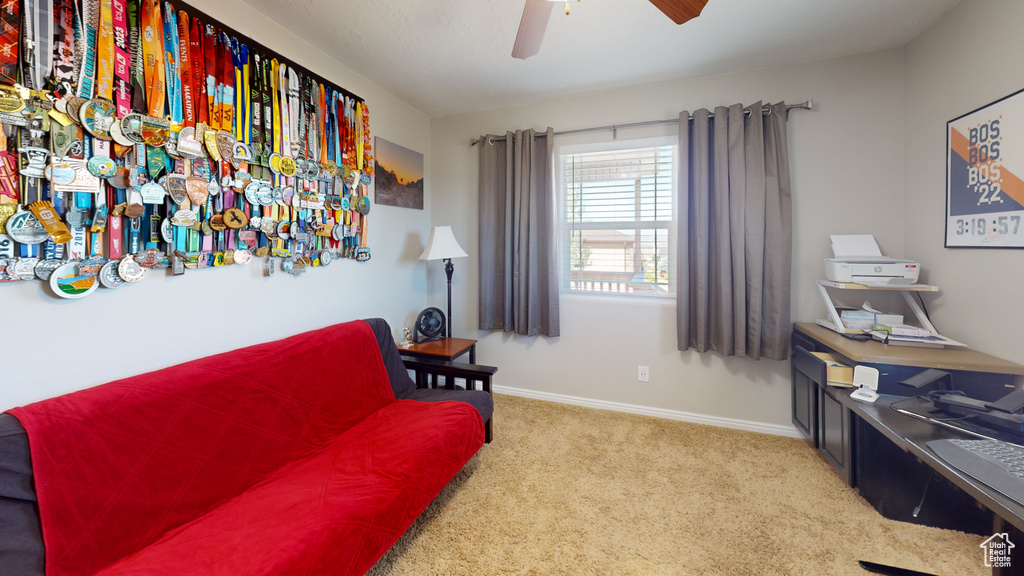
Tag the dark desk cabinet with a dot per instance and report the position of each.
(835, 430)
(805, 394)
(817, 414)
(882, 453)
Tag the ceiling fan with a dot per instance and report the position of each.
(536, 14)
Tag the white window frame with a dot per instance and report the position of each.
(565, 258)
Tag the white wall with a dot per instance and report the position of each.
(966, 60)
(847, 173)
(51, 346)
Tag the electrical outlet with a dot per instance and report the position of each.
(643, 374)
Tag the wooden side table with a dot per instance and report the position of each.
(445, 349)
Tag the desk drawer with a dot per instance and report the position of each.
(811, 365)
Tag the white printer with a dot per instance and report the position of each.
(858, 259)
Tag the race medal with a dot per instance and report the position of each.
(205, 227)
(11, 105)
(346, 203)
(121, 179)
(210, 139)
(242, 256)
(150, 257)
(97, 116)
(153, 193)
(275, 163)
(130, 271)
(288, 166)
(177, 188)
(265, 195)
(33, 161)
(225, 147)
(63, 138)
(248, 237)
(217, 222)
(134, 211)
(283, 196)
(283, 230)
(74, 107)
(242, 180)
(255, 222)
(51, 222)
(235, 218)
(44, 269)
(269, 227)
(118, 135)
(229, 257)
(326, 257)
(250, 193)
(197, 190)
(155, 131)
(25, 228)
(188, 145)
(185, 218)
(213, 188)
(218, 259)
(5, 266)
(364, 205)
(102, 167)
(167, 231)
(333, 203)
(313, 169)
(6, 211)
(91, 267)
(22, 268)
(171, 146)
(67, 282)
(59, 172)
(131, 128)
(241, 152)
(288, 265)
(109, 277)
(262, 251)
(300, 164)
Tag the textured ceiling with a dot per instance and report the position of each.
(447, 57)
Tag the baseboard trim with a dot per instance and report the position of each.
(734, 423)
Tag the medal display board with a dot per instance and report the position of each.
(139, 135)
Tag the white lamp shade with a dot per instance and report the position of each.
(442, 244)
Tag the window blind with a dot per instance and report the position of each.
(618, 214)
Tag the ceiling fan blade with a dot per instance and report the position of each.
(680, 10)
(536, 14)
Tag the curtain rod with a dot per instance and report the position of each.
(808, 105)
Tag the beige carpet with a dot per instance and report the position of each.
(565, 490)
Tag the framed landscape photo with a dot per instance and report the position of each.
(398, 175)
(985, 176)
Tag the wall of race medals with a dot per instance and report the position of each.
(138, 137)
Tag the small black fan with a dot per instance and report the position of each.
(430, 325)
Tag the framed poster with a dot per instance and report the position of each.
(984, 172)
(399, 176)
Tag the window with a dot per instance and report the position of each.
(618, 225)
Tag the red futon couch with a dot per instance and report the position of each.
(291, 457)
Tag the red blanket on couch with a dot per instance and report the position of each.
(291, 457)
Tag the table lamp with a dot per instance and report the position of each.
(443, 246)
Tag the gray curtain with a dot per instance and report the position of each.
(734, 246)
(518, 243)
